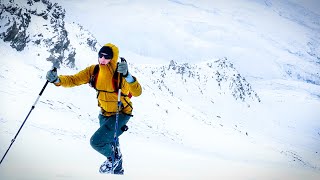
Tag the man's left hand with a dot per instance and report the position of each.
(123, 68)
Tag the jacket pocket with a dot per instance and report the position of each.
(108, 101)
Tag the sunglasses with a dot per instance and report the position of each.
(106, 56)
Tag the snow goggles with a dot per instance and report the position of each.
(106, 56)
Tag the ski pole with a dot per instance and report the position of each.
(115, 137)
(33, 106)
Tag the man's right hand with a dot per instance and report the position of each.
(52, 76)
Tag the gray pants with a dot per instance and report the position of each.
(103, 139)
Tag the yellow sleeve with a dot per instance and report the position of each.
(82, 77)
(135, 88)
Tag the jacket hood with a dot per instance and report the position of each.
(115, 51)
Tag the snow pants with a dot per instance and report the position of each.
(103, 139)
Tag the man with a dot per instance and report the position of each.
(105, 78)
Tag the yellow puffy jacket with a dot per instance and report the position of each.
(107, 97)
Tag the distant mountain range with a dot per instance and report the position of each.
(41, 24)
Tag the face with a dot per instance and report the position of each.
(104, 59)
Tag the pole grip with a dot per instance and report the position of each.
(123, 59)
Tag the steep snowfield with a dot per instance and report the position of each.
(168, 138)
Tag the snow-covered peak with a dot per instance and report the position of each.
(206, 80)
(40, 26)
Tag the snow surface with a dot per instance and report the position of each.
(192, 31)
(183, 127)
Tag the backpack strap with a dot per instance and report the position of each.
(115, 84)
(93, 78)
(115, 81)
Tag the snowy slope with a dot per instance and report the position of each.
(235, 120)
(279, 39)
(61, 125)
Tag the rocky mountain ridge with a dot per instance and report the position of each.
(211, 78)
(41, 24)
